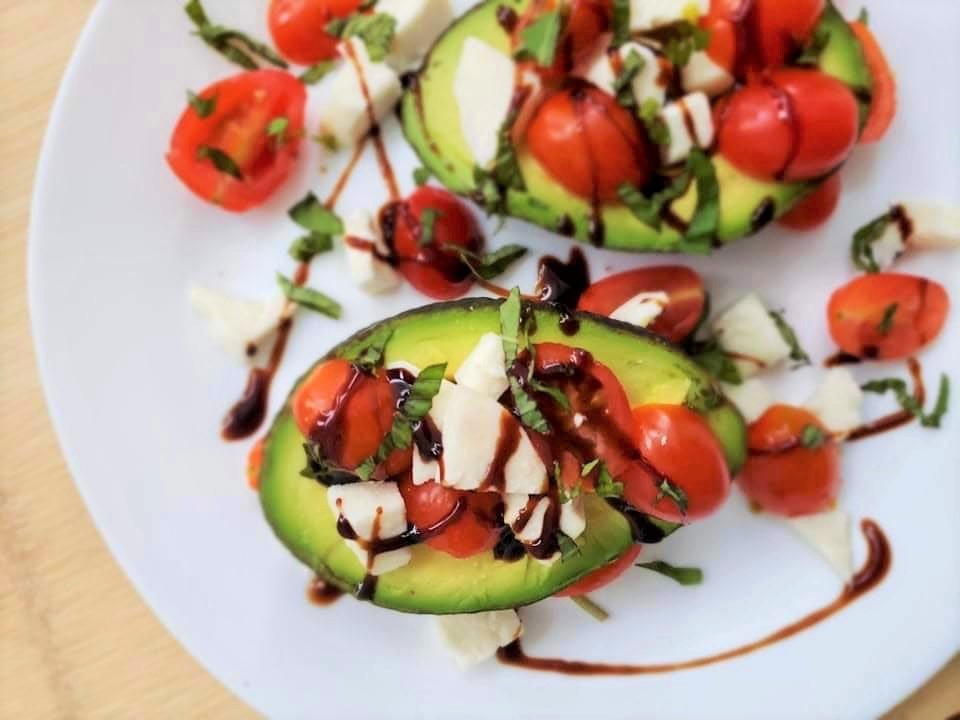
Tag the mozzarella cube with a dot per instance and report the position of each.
(477, 637)
(573, 518)
(838, 401)
(239, 326)
(933, 226)
(345, 116)
(703, 74)
(752, 398)
(513, 505)
(370, 507)
(747, 332)
(483, 90)
(651, 14)
(642, 309)
(419, 24)
(690, 122)
(646, 84)
(889, 247)
(484, 369)
(366, 252)
(424, 471)
(829, 534)
(533, 528)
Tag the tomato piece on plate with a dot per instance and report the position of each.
(299, 27)
(244, 106)
(883, 95)
(887, 316)
(818, 207)
(427, 262)
(783, 475)
(781, 27)
(603, 576)
(475, 529)
(255, 464)
(683, 286)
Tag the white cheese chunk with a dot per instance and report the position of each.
(423, 471)
(476, 637)
(370, 506)
(747, 330)
(703, 74)
(345, 116)
(838, 402)
(573, 518)
(651, 14)
(533, 527)
(646, 85)
(513, 505)
(367, 266)
(829, 534)
(933, 226)
(752, 398)
(642, 309)
(888, 248)
(418, 25)
(690, 122)
(484, 370)
(238, 325)
(483, 89)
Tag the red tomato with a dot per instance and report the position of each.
(255, 464)
(723, 41)
(587, 21)
(298, 27)
(682, 285)
(473, 532)
(815, 209)
(783, 476)
(792, 124)
(883, 101)
(431, 268)
(781, 27)
(734, 10)
(588, 143)
(858, 312)
(604, 576)
(245, 106)
(680, 445)
(348, 413)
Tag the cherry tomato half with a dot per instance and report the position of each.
(781, 27)
(682, 285)
(883, 94)
(818, 207)
(244, 107)
(782, 475)
(432, 268)
(680, 445)
(887, 316)
(723, 41)
(603, 576)
(587, 21)
(298, 27)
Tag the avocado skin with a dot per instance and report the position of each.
(434, 582)
(431, 124)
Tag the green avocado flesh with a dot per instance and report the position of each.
(651, 372)
(431, 122)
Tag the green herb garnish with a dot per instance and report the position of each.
(909, 403)
(307, 246)
(812, 437)
(428, 221)
(277, 129)
(886, 322)
(682, 575)
(234, 45)
(657, 129)
(309, 298)
(683, 39)
(711, 357)
(311, 214)
(605, 485)
(649, 210)
(702, 228)
(514, 338)
(620, 22)
(861, 251)
(315, 73)
(203, 107)
(565, 494)
(633, 65)
(221, 161)
(376, 31)
(491, 264)
(669, 489)
(538, 41)
(368, 356)
(789, 335)
(421, 176)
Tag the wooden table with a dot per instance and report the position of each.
(75, 639)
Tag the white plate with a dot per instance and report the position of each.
(137, 390)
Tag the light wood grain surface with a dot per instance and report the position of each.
(75, 639)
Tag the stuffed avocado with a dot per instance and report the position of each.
(620, 145)
(537, 470)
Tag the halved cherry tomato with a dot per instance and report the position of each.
(887, 316)
(734, 10)
(815, 209)
(245, 106)
(348, 413)
(432, 268)
(588, 143)
(782, 475)
(298, 27)
(682, 285)
(723, 40)
(680, 446)
(883, 100)
(255, 464)
(587, 21)
(473, 532)
(781, 27)
(603, 576)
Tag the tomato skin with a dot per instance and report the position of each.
(434, 271)
(587, 21)
(818, 207)
(680, 445)
(883, 102)
(799, 481)
(723, 41)
(255, 464)
(298, 28)
(783, 26)
(588, 143)
(603, 576)
(245, 106)
(754, 134)
(473, 532)
(856, 312)
(683, 286)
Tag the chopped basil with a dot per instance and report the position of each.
(309, 298)
(814, 49)
(513, 337)
(322, 470)
(886, 322)
(234, 45)
(682, 40)
(862, 251)
(605, 486)
(682, 575)
(538, 41)
(488, 193)
(633, 64)
(491, 264)
(203, 107)
(812, 437)
(648, 210)
(511, 311)
(589, 467)
(316, 73)
(221, 161)
(329, 141)
(506, 167)
(527, 409)
(428, 221)
(789, 335)
(711, 357)
(421, 176)
(376, 31)
(412, 410)
(669, 489)
(311, 214)
(657, 129)
(621, 22)
(557, 395)
(590, 607)
(277, 128)
(706, 218)
(306, 247)
(909, 403)
(369, 355)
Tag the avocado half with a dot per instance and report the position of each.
(431, 123)
(651, 372)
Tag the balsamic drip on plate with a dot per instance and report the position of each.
(561, 284)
